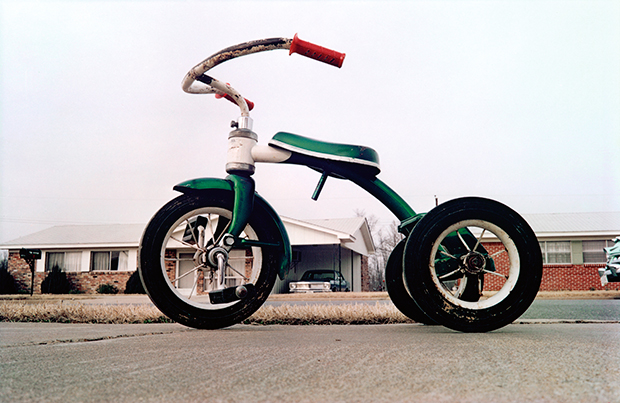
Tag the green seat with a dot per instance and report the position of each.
(360, 155)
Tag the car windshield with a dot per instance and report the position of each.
(318, 276)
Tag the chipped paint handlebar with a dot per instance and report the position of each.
(223, 90)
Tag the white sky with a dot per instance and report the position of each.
(513, 100)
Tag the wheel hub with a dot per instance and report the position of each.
(474, 263)
(213, 256)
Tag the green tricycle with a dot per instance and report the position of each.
(209, 258)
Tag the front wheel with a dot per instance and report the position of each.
(185, 284)
(466, 239)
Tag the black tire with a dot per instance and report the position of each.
(514, 262)
(396, 288)
(256, 265)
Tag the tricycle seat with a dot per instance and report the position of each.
(360, 155)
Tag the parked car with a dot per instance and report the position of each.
(320, 281)
(611, 271)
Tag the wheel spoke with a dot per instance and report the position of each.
(187, 273)
(193, 288)
(221, 226)
(479, 239)
(496, 274)
(462, 240)
(447, 254)
(449, 274)
(189, 245)
(458, 285)
(236, 271)
(498, 253)
(191, 231)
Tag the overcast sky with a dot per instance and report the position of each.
(517, 101)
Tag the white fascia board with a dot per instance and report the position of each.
(572, 236)
(342, 236)
(73, 246)
(577, 235)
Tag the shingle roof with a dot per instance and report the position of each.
(346, 225)
(117, 234)
(575, 223)
(560, 224)
(130, 234)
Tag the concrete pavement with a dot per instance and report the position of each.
(388, 363)
(534, 360)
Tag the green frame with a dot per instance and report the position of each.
(244, 199)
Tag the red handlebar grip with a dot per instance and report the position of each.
(316, 52)
(231, 99)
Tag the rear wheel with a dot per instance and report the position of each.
(473, 240)
(396, 288)
(181, 276)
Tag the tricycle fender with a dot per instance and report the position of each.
(207, 184)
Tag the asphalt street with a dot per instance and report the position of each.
(558, 351)
(553, 362)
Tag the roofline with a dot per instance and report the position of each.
(368, 233)
(571, 236)
(606, 234)
(343, 236)
(72, 246)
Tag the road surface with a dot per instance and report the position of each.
(553, 362)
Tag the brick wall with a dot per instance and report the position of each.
(557, 277)
(88, 282)
(563, 277)
(19, 269)
(567, 277)
(85, 282)
(365, 278)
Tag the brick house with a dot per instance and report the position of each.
(572, 248)
(92, 255)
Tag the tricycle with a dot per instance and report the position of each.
(209, 258)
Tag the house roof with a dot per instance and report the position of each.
(128, 235)
(349, 225)
(81, 236)
(601, 224)
(353, 233)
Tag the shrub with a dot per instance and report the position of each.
(134, 284)
(107, 289)
(7, 283)
(56, 282)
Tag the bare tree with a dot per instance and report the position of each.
(385, 239)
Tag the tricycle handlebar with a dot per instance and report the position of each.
(213, 86)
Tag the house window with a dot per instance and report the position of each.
(65, 261)
(556, 252)
(593, 251)
(109, 260)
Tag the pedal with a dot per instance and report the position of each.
(231, 294)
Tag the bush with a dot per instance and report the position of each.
(107, 289)
(134, 284)
(7, 283)
(56, 282)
